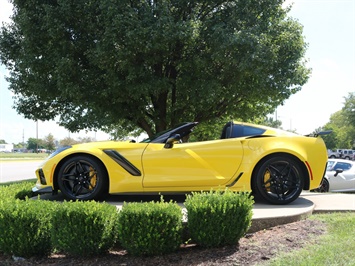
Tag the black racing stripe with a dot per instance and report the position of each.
(122, 161)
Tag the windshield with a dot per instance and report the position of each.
(330, 165)
(147, 140)
(161, 137)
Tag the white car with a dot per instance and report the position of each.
(339, 176)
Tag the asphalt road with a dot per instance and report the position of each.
(18, 170)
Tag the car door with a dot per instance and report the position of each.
(188, 165)
(344, 180)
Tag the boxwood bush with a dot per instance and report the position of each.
(19, 190)
(25, 227)
(218, 218)
(150, 228)
(36, 228)
(84, 228)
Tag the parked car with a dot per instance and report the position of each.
(275, 164)
(347, 154)
(339, 177)
(332, 154)
(341, 154)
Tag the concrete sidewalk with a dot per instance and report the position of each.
(266, 215)
(331, 202)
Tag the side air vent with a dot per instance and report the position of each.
(122, 161)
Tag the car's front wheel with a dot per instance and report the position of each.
(278, 180)
(82, 177)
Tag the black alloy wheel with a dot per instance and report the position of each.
(278, 180)
(82, 178)
(324, 186)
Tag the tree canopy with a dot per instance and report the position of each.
(349, 109)
(34, 144)
(49, 142)
(342, 123)
(151, 64)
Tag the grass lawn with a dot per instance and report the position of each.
(22, 156)
(33, 180)
(336, 247)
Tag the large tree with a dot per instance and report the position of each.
(349, 109)
(34, 144)
(342, 123)
(49, 142)
(151, 64)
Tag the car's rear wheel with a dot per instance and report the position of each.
(278, 180)
(83, 178)
(324, 186)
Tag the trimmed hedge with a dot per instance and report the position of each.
(150, 228)
(218, 218)
(19, 190)
(25, 227)
(84, 228)
(37, 227)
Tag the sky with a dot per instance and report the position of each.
(329, 30)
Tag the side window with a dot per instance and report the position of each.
(236, 131)
(252, 131)
(343, 166)
(242, 131)
(226, 132)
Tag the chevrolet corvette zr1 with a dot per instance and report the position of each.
(275, 165)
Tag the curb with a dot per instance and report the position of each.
(267, 216)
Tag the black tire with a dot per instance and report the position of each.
(324, 186)
(82, 178)
(278, 180)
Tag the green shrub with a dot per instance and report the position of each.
(25, 227)
(16, 191)
(84, 228)
(218, 218)
(150, 228)
(23, 194)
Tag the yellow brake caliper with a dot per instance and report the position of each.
(93, 179)
(267, 176)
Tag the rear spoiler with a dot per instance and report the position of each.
(321, 133)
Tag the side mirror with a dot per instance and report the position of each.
(337, 171)
(171, 140)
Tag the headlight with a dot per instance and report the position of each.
(59, 150)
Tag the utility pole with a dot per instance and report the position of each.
(23, 138)
(37, 136)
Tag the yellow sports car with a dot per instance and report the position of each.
(276, 165)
